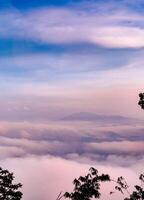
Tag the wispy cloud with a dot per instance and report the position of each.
(105, 27)
(83, 57)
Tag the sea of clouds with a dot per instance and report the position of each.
(46, 157)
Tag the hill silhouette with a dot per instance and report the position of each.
(88, 116)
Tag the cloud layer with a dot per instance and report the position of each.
(77, 141)
(47, 157)
(104, 25)
(45, 177)
(56, 61)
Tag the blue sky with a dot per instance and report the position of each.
(59, 58)
(25, 4)
(70, 46)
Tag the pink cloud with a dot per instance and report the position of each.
(43, 178)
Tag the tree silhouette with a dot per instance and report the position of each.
(141, 100)
(138, 194)
(8, 190)
(88, 187)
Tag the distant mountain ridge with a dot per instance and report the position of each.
(88, 116)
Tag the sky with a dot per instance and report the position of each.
(71, 72)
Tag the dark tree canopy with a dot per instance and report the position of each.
(141, 100)
(88, 187)
(9, 190)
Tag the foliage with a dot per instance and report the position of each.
(141, 100)
(88, 187)
(8, 190)
(138, 194)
